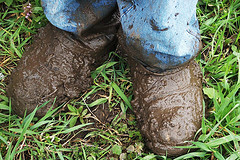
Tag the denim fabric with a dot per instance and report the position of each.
(76, 15)
(159, 33)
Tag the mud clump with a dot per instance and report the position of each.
(168, 106)
(56, 65)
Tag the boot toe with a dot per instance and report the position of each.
(169, 132)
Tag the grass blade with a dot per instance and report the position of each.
(121, 94)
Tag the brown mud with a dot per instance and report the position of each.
(168, 106)
(57, 65)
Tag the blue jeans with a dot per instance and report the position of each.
(160, 34)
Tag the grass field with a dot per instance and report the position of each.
(56, 135)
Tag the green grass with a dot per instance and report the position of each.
(56, 136)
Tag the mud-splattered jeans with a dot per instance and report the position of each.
(161, 34)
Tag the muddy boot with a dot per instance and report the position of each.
(163, 38)
(58, 65)
(168, 106)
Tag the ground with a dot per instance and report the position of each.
(71, 136)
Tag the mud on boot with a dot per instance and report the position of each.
(168, 106)
(57, 65)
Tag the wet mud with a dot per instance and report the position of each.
(168, 106)
(57, 65)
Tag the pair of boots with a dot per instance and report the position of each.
(168, 105)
